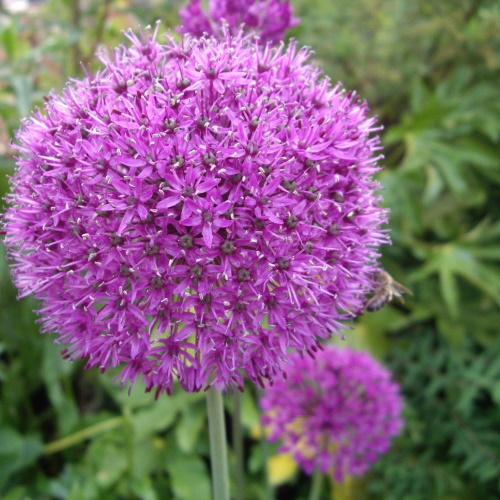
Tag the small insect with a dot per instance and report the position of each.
(385, 290)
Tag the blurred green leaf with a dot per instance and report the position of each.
(16, 452)
(189, 478)
(23, 88)
(190, 425)
(9, 39)
(55, 368)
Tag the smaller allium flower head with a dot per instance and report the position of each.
(194, 210)
(336, 412)
(269, 19)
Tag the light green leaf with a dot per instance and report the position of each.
(16, 452)
(190, 479)
(156, 418)
(23, 87)
(449, 290)
(188, 429)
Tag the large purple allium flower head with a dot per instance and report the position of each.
(336, 412)
(194, 210)
(269, 19)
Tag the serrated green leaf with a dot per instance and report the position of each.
(455, 260)
(434, 185)
(449, 290)
(486, 277)
(485, 232)
(453, 331)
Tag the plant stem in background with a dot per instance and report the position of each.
(238, 447)
(316, 485)
(101, 18)
(218, 448)
(76, 53)
(83, 435)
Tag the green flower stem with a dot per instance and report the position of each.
(238, 446)
(83, 435)
(218, 449)
(316, 485)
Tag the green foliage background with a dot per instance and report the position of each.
(431, 72)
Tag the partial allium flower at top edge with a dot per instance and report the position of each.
(269, 19)
(336, 413)
(194, 210)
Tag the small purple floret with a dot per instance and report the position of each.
(173, 213)
(336, 412)
(269, 19)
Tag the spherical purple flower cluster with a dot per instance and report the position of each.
(336, 413)
(269, 19)
(194, 210)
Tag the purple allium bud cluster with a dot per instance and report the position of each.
(269, 19)
(194, 210)
(336, 413)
